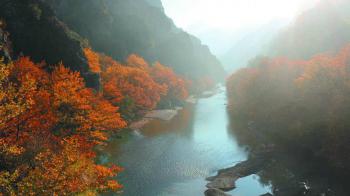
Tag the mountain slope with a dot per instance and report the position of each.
(119, 28)
(35, 31)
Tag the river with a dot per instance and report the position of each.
(174, 158)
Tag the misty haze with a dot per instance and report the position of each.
(175, 97)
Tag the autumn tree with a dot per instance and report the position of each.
(134, 60)
(133, 83)
(137, 85)
(93, 60)
(50, 123)
(177, 90)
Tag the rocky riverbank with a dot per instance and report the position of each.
(165, 115)
(226, 179)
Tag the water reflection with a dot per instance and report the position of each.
(174, 158)
(245, 186)
(289, 172)
(182, 124)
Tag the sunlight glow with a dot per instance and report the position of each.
(231, 14)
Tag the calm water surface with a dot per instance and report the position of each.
(174, 158)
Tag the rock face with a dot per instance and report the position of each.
(5, 43)
(35, 31)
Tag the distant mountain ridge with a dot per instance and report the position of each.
(255, 42)
(324, 28)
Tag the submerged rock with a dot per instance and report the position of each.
(215, 192)
(267, 194)
(225, 183)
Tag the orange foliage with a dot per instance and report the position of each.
(49, 125)
(136, 61)
(139, 85)
(50, 122)
(132, 82)
(176, 85)
(67, 172)
(93, 60)
(96, 113)
(112, 92)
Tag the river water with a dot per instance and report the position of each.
(174, 158)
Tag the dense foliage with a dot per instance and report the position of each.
(50, 123)
(136, 85)
(299, 104)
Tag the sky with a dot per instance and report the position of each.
(227, 17)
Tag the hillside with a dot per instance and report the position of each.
(119, 28)
(35, 31)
